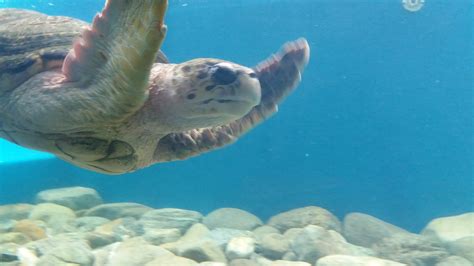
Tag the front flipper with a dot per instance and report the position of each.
(278, 76)
(114, 56)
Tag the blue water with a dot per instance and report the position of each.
(382, 122)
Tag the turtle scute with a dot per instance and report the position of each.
(106, 156)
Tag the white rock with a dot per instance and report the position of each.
(240, 248)
(345, 260)
(26, 256)
(451, 228)
(75, 198)
(232, 218)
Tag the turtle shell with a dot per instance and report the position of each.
(32, 42)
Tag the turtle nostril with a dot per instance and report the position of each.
(224, 75)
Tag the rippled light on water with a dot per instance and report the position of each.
(413, 5)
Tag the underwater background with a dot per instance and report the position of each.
(382, 122)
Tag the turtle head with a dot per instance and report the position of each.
(206, 92)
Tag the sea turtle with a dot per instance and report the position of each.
(112, 103)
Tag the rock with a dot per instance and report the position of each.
(26, 257)
(89, 223)
(97, 240)
(14, 237)
(56, 217)
(232, 218)
(222, 236)
(102, 255)
(121, 228)
(12, 263)
(243, 262)
(365, 230)
(169, 218)
(273, 246)
(196, 233)
(451, 228)
(299, 218)
(315, 242)
(290, 255)
(114, 211)
(32, 229)
(454, 261)
(261, 231)
(463, 247)
(80, 213)
(289, 263)
(50, 260)
(200, 251)
(290, 234)
(46, 245)
(456, 233)
(6, 225)
(196, 245)
(162, 236)
(8, 253)
(74, 253)
(260, 260)
(344, 260)
(172, 261)
(212, 263)
(410, 249)
(240, 248)
(15, 211)
(135, 252)
(75, 198)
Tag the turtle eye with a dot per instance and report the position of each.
(223, 75)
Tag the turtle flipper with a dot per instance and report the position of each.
(278, 76)
(117, 52)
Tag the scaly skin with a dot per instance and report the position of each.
(111, 110)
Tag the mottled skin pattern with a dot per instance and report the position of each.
(112, 103)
